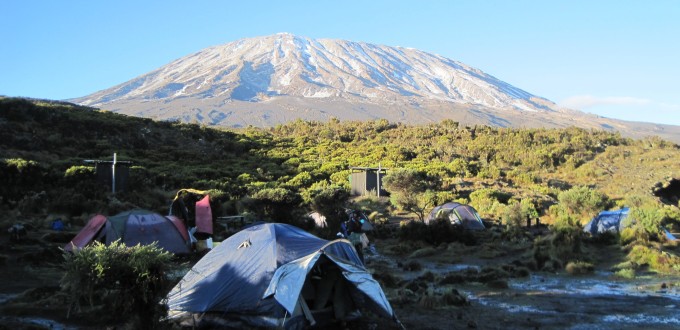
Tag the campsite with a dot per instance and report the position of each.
(473, 235)
(543, 300)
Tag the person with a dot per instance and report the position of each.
(17, 231)
(354, 232)
(354, 225)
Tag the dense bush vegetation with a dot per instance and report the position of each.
(125, 280)
(281, 173)
(437, 232)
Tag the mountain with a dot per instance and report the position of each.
(274, 79)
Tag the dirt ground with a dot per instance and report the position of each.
(423, 284)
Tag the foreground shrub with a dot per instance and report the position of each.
(429, 300)
(452, 297)
(564, 244)
(125, 280)
(579, 268)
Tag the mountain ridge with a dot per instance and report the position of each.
(274, 79)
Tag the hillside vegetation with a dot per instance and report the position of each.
(559, 177)
(43, 145)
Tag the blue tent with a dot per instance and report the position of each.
(276, 275)
(607, 221)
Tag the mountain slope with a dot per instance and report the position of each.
(274, 79)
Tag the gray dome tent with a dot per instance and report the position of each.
(276, 275)
(457, 213)
(135, 227)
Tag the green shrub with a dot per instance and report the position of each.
(20, 176)
(489, 202)
(627, 236)
(579, 267)
(71, 202)
(660, 261)
(329, 200)
(79, 172)
(410, 190)
(523, 178)
(489, 172)
(277, 204)
(429, 300)
(442, 197)
(606, 238)
(437, 232)
(647, 220)
(583, 201)
(566, 222)
(302, 179)
(627, 273)
(452, 297)
(413, 230)
(82, 179)
(126, 280)
(564, 244)
(376, 208)
(634, 201)
(513, 216)
(20, 165)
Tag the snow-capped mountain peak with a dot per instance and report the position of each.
(263, 68)
(275, 79)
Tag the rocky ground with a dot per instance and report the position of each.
(451, 286)
(545, 301)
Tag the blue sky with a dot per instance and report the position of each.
(617, 59)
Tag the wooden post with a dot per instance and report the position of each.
(113, 174)
(377, 181)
